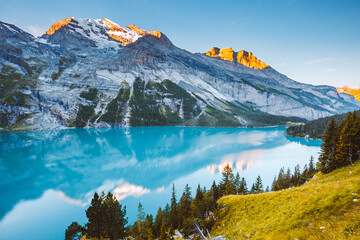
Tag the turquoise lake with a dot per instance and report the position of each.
(49, 177)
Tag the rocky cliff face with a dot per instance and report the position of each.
(243, 57)
(95, 73)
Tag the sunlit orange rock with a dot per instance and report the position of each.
(58, 25)
(353, 92)
(136, 29)
(155, 33)
(243, 57)
(112, 26)
(124, 41)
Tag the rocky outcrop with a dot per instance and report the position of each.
(353, 92)
(56, 26)
(243, 57)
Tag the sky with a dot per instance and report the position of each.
(315, 42)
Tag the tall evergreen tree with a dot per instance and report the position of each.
(274, 185)
(198, 205)
(159, 221)
(185, 207)
(114, 218)
(252, 190)
(95, 217)
(304, 177)
(237, 183)
(227, 182)
(149, 228)
(163, 233)
(288, 178)
(258, 186)
(348, 145)
(243, 190)
(312, 168)
(166, 212)
(296, 176)
(74, 232)
(280, 182)
(174, 209)
(328, 148)
(215, 194)
(140, 221)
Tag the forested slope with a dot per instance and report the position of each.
(316, 128)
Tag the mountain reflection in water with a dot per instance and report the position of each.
(136, 164)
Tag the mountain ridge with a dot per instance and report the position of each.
(351, 91)
(80, 76)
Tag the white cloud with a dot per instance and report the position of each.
(125, 190)
(315, 61)
(71, 200)
(36, 31)
(160, 189)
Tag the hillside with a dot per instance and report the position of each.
(316, 128)
(327, 207)
(96, 73)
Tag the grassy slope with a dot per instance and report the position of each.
(323, 208)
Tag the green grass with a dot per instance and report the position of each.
(323, 208)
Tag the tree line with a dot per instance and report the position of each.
(191, 216)
(341, 145)
(316, 128)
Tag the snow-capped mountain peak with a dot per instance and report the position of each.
(99, 30)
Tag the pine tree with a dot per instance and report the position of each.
(274, 185)
(74, 232)
(295, 178)
(114, 218)
(304, 175)
(174, 209)
(214, 195)
(237, 183)
(163, 233)
(253, 191)
(288, 178)
(227, 182)
(280, 182)
(159, 221)
(348, 145)
(166, 212)
(328, 148)
(140, 221)
(148, 225)
(198, 205)
(243, 187)
(312, 169)
(185, 205)
(258, 186)
(267, 189)
(95, 217)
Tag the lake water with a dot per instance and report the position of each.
(49, 177)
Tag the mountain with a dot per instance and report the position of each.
(95, 73)
(316, 128)
(347, 90)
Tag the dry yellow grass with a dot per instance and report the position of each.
(327, 207)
